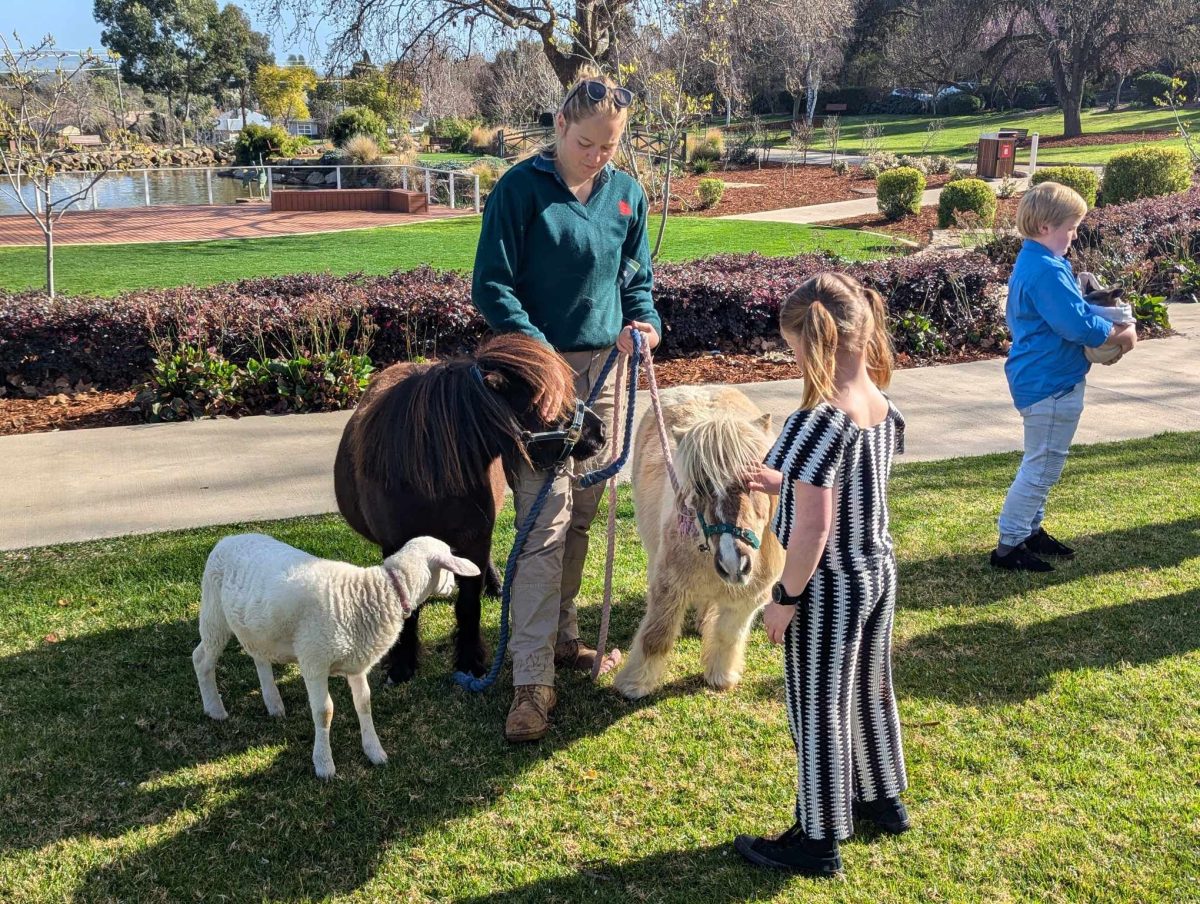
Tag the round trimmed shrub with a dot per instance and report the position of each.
(962, 104)
(1151, 87)
(898, 192)
(711, 191)
(357, 121)
(1146, 172)
(972, 195)
(1084, 181)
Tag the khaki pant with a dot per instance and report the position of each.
(550, 568)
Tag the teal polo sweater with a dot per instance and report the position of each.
(558, 270)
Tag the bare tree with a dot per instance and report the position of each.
(447, 77)
(570, 32)
(657, 62)
(518, 85)
(37, 83)
(806, 38)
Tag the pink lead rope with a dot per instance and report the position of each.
(687, 518)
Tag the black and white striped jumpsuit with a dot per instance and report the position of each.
(837, 649)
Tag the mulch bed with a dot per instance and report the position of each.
(78, 411)
(1058, 141)
(919, 227)
(775, 186)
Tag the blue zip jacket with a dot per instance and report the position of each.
(1050, 325)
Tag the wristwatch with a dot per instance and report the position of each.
(781, 597)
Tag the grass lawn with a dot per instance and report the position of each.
(448, 244)
(1050, 724)
(907, 134)
(433, 158)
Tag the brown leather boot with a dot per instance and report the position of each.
(529, 715)
(574, 654)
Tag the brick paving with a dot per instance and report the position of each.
(196, 223)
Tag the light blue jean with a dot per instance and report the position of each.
(1049, 428)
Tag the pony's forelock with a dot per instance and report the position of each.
(718, 454)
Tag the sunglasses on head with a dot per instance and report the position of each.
(596, 92)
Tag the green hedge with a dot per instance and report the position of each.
(961, 104)
(1145, 172)
(1084, 181)
(972, 195)
(898, 192)
(358, 121)
(257, 143)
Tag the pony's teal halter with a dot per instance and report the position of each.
(738, 533)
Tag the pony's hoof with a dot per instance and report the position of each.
(632, 689)
(217, 712)
(476, 662)
(723, 681)
(399, 673)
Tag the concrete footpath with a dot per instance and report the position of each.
(88, 484)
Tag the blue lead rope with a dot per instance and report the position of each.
(470, 682)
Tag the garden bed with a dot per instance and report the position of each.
(773, 187)
(919, 227)
(1104, 138)
(93, 408)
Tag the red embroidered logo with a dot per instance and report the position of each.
(624, 207)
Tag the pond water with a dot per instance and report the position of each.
(130, 190)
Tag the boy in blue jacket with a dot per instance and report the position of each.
(1046, 367)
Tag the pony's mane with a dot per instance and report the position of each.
(439, 429)
(719, 451)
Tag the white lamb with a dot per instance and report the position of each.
(332, 618)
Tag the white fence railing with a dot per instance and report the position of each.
(187, 186)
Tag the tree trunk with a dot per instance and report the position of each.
(49, 232)
(242, 102)
(1070, 97)
(662, 226)
(796, 105)
(1120, 85)
(1072, 104)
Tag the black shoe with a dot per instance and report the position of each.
(888, 813)
(1019, 559)
(792, 851)
(1043, 544)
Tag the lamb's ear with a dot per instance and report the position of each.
(678, 432)
(1116, 293)
(453, 564)
(763, 422)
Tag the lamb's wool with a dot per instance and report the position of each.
(332, 618)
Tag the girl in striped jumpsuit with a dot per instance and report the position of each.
(833, 607)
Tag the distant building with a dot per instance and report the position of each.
(307, 127)
(230, 124)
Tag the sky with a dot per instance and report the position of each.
(73, 28)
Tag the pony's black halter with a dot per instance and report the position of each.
(568, 436)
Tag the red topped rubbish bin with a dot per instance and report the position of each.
(996, 157)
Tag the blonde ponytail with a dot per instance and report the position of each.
(831, 312)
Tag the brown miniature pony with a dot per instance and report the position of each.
(427, 452)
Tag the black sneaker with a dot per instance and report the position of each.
(888, 813)
(1019, 559)
(1043, 544)
(792, 851)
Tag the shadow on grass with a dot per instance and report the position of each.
(967, 579)
(106, 739)
(994, 662)
(714, 875)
